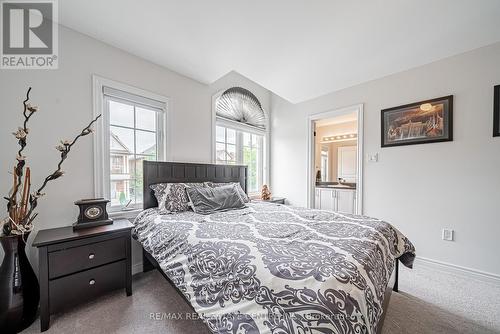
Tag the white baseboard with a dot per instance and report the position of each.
(459, 270)
(137, 268)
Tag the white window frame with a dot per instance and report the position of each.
(101, 138)
(265, 133)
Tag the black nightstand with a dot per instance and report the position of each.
(277, 200)
(77, 266)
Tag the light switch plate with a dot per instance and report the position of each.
(373, 157)
(448, 234)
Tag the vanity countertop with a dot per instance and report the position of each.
(349, 186)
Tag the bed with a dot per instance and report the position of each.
(271, 268)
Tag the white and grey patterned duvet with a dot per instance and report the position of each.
(271, 268)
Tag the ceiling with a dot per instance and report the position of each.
(298, 49)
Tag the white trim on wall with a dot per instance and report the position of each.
(100, 141)
(137, 268)
(311, 180)
(450, 268)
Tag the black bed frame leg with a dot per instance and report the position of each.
(396, 282)
(146, 264)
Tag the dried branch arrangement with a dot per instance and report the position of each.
(20, 202)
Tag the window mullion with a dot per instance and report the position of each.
(135, 156)
(107, 149)
(239, 147)
(260, 162)
(159, 137)
(226, 152)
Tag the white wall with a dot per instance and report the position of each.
(65, 99)
(419, 188)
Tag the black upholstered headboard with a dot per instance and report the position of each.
(175, 172)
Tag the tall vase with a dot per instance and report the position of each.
(19, 289)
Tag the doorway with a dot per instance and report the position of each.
(335, 160)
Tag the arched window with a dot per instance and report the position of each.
(240, 133)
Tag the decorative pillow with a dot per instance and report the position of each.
(160, 191)
(172, 197)
(209, 200)
(242, 193)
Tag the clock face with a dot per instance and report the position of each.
(93, 212)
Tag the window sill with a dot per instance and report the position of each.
(126, 214)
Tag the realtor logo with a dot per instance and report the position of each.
(29, 34)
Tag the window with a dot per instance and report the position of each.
(240, 134)
(225, 142)
(240, 147)
(132, 130)
(252, 157)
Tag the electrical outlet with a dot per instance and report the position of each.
(448, 234)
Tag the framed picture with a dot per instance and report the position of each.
(421, 122)
(496, 113)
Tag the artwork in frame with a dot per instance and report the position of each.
(496, 113)
(421, 122)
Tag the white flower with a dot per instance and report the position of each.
(32, 108)
(88, 131)
(61, 148)
(37, 195)
(66, 142)
(20, 133)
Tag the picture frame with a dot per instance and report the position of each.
(496, 112)
(423, 122)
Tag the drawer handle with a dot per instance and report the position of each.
(92, 282)
(91, 256)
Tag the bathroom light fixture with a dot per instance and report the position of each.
(337, 138)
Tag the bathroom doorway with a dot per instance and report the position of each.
(335, 157)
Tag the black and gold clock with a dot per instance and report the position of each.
(92, 213)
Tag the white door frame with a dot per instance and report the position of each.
(311, 179)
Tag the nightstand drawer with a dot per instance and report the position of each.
(86, 285)
(71, 260)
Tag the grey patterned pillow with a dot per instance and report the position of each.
(159, 190)
(240, 190)
(172, 197)
(211, 199)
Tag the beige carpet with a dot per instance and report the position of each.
(116, 313)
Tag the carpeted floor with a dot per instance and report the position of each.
(153, 296)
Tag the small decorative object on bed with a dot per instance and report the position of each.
(421, 122)
(18, 284)
(496, 113)
(265, 194)
(92, 213)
